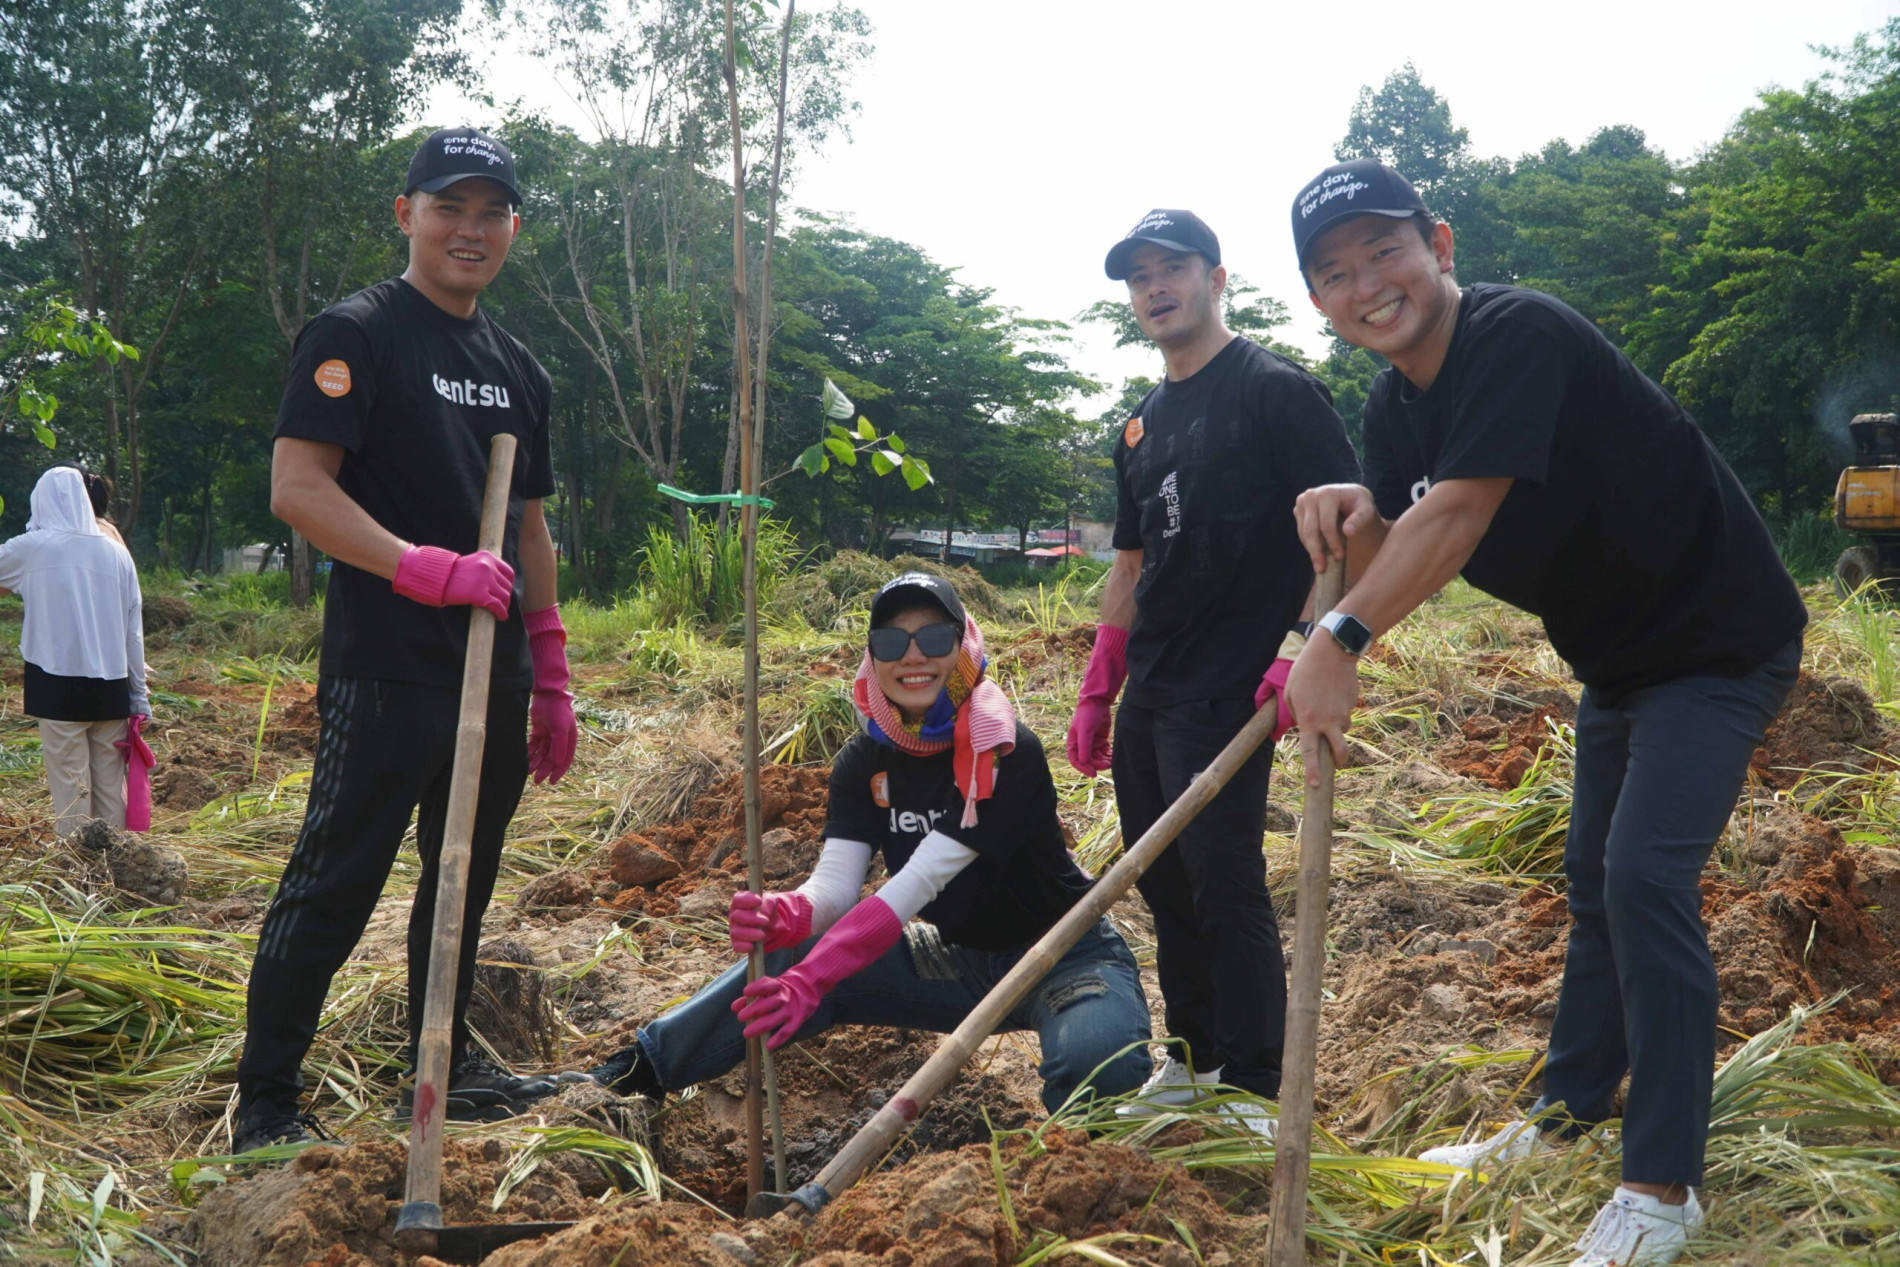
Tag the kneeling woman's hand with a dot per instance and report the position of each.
(781, 1005)
(771, 921)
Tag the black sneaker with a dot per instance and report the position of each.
(481, 1091)
(629, 1072)
(267, 1131)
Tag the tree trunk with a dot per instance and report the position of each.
(303, 570)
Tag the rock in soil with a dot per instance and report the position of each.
(155, 874)
(564, 893)
(636, 863)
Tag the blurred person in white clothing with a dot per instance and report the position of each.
(83, 647)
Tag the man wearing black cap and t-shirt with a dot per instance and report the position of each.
(955, 793)
(1512, 442)
(1209, 580)
(381, 459)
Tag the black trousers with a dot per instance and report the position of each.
(1223, 977)
(383, 749)
(1656, 778)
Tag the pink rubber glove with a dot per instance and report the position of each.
(771, 921)
(442, 578)
(1273, 687)
(1090, 749)
(552, 732)
(138, 780)
(785, 1002)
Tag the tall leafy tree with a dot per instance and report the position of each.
(97, 134)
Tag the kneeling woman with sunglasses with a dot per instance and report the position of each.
(957, 796)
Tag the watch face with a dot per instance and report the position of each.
(1348, 631)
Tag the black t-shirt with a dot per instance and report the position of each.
(1207, 472)
(1022, 880)
(1625, 531)
(414, 395)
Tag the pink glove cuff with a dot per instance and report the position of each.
(1273, 687)
(1108, 664)
(547, 648)
(868, 930)
(423, 574)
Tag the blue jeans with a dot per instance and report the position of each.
(1656, 777)
(1085, 1011)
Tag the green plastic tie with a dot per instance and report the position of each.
(706, 499)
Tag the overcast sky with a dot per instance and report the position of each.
(1016, 140)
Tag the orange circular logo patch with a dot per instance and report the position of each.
(881, 789)
(333, 378)
(1133, 432)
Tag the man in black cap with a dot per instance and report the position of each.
(381, 459)
(1511, 442)
(955, 793)
(1209, 580)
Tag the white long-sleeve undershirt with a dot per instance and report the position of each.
(839, 877)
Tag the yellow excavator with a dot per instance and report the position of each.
(1867, 501)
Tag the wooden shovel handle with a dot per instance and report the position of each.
(451, 889)
(1293, 1147)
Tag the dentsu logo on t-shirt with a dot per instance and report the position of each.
(1421, 488)
(469, 392)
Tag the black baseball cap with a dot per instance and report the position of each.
(1176, 230)
(1362, 186)
(904, 590)
(453, 154)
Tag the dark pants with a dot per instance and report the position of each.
(1089, 1012)
(1656, 778)
(383, 749)
(1222, 975)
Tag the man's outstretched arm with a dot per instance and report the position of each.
(1421, 552)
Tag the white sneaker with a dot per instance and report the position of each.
(1169, 1087)
(1518, 1140)
(1635, 1230)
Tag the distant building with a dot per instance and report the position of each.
(965, 547)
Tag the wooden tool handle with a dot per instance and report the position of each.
(451, 889)
(1293, 1146)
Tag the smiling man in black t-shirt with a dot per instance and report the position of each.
(955, 794)
(1512, 442)
(1209, 578)
(381, 459)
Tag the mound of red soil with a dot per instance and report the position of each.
(1821, 920)
(337, 1206)
(659, 865)
(1497, 752)
(1827, 724)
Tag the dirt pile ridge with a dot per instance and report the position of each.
(337, 1206)
(1828, 723)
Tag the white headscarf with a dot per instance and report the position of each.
(81, 590)
(60, 504)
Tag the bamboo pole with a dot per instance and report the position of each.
(1293, 1145)
(755, 1055)
(421, 1211)
(760, 385)
(862, 1151)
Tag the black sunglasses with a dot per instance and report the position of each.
(890, 642)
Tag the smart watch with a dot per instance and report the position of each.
(1348, 631)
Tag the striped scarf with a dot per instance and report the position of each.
(971, 715)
